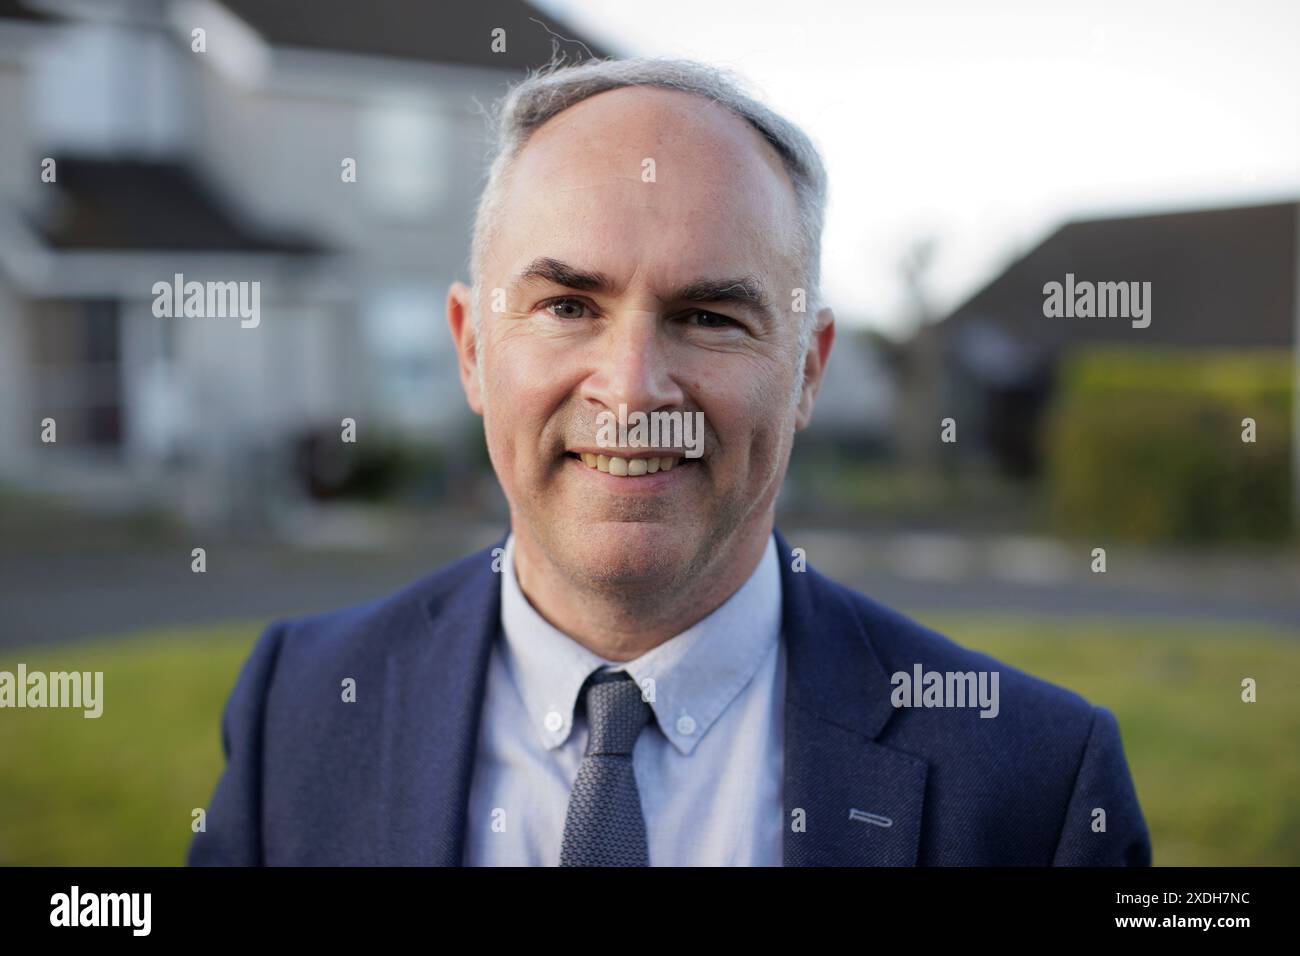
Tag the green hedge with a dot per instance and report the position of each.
(1146, 445)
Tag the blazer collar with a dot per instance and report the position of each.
(849, 799)
(436, 674)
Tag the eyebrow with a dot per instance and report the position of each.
(744, 290)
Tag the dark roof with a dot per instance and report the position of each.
(139, 206)
(1219, 278)
(16, 10)
(459, 32)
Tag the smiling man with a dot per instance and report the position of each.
(644, 672)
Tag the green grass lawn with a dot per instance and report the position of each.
(118, 789)
(1218, 778)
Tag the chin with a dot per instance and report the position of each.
(631, 551)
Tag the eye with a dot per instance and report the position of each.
(565, 308)
(710, 320)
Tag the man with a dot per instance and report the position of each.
(645, 672)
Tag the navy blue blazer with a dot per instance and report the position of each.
(313, 780)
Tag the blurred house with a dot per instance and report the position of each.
(1221, 279)
(137, 148)
(855, 409)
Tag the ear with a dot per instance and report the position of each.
(814, 365)
(461, 321)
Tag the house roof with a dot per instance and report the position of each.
(132, 205)
(442, 32)
(16, 10)
(1219, 278)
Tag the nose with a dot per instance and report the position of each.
(632, 365)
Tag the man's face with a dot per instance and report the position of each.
(664, 292)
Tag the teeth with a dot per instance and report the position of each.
(628, 467)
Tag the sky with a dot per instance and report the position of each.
(982, 127)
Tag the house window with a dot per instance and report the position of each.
(414, 378)
(405, 161)
(78, 372)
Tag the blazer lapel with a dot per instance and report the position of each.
(435, 680)
(849, 800)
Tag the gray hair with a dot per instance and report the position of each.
(556, 87)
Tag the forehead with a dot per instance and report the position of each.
(719, 201)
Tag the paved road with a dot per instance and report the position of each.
(63, 590)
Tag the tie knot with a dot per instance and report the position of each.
(616, 712)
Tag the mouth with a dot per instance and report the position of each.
(639, 466)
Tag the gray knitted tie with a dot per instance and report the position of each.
(604, 825)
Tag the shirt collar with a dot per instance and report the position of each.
(688, 680)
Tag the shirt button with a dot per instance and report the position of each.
(686, 725)
(553, 721)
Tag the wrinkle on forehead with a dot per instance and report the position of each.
(691, 140)
(717, 179)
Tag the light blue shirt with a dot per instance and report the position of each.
(708, 767)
